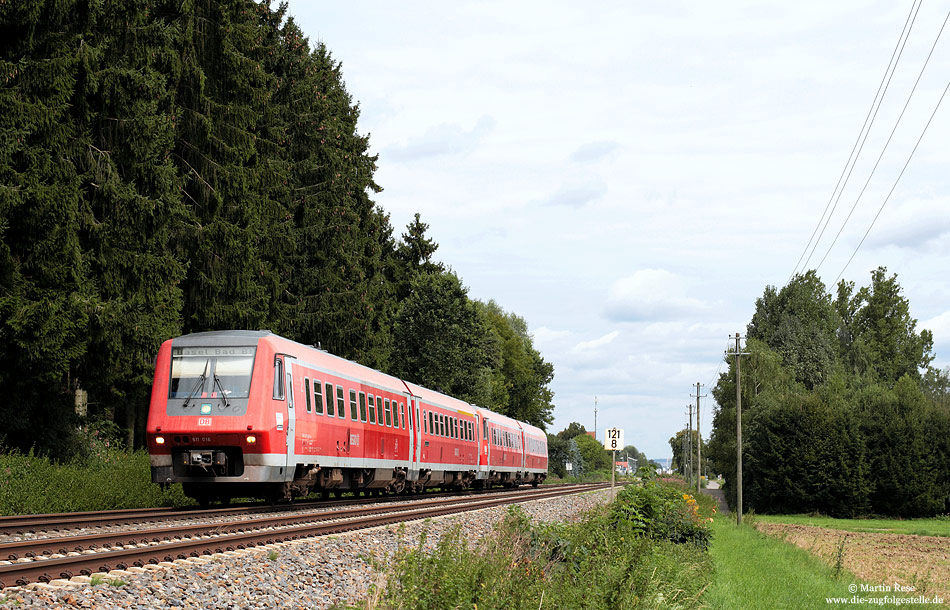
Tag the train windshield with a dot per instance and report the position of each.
(208, 372)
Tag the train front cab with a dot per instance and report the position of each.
(218, 414)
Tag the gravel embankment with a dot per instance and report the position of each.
(313, 573)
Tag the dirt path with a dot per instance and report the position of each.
(714, 491)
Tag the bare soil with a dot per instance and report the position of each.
(922, 562)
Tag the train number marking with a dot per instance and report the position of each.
(204, 421)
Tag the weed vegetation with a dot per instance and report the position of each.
(646, 549)
(105, 477)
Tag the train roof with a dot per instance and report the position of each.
(439, 399)
(348, 367)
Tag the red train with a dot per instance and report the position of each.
(252, 414)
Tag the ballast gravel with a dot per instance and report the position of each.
(313, 573)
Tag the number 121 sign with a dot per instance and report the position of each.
(613, 439)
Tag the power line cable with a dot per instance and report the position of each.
(887, 143)
(911, 156)
(862, 136)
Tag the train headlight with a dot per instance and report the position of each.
(159, 440)
(251, 439)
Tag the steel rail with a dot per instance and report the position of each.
(33, 548)
(52, 522)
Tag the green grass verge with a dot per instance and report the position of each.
(939, 526)
(754, 571)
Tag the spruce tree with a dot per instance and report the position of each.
(46, 296)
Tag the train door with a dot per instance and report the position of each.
(523, 448)
(484, 459)
(291, 425)
(415, 435)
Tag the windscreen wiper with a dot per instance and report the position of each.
(220, 386)
(199, 383)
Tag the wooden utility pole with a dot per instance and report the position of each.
(699, 447)
(689, 446)
(739, 432)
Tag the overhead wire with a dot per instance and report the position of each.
(862, 135)
(906, 163)
(887, 143)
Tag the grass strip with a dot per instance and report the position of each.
(939, 526)
(753, 571)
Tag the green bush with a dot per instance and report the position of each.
(588, 564)
(106, 478)
(660, 511)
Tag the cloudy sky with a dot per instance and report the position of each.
(629, 176)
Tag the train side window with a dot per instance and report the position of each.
(389, 414)
(442, 425)
(306, 387)
(362, 407)
(317, 397)
(402, 415)
(340, 402)
(278, 379)
(354, 415)
(425, 424)
(431, 427)
(329, 398)
(379, 409)
(372, 408)
(455, 426)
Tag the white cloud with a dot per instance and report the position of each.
(444, 139)
(939, 326)
(547, 336)
(595, 151)
(578, 193)
(585, 346)
(650, 294)
(914, 224)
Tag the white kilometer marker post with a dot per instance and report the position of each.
(613, 440)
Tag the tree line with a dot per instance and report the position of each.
(169, 167)
(573, 445)
(842, 411)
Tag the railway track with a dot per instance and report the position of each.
(50, 558)
(60, 522)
